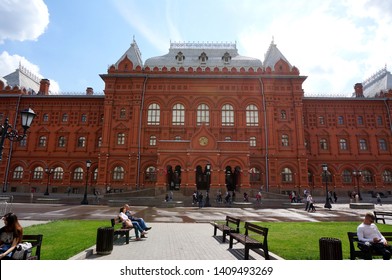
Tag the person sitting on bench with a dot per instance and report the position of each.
(129, 224)
(10, 235)
(370, 238)
(140, 221)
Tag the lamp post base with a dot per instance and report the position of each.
(84, 201)
(328, 205)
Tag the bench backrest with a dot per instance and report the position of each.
(250, 227)
(36, 242)
(234, 221)
(382, 213)
(115, 221)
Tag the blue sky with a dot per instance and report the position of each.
(335, 43)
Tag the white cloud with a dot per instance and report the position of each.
(335, 45)
(9, 63)
(22, 20)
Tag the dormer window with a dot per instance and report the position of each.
(180, 57)
(226, 58)
(203, 58)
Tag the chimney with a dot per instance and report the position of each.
(358, 90)
(89, 91)
(44, 87)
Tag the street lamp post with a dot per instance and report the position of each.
(358, 174)
(48, 171)
(327, 203)
(208, 179)
(88, 165)
(6, 130)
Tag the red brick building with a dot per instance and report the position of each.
(200, 117)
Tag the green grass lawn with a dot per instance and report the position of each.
(300, 240)
(66, 238)
(290, 240)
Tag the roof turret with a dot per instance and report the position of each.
(273, 55)
(133, 54)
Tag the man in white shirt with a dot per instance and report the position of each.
(370, 238)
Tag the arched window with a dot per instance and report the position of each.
(340, 120)
(363, 145)
(287, 175)
(227, 115)
(387, 176)
(84, 118)
(252, 116)
(65, 118)
(38, 173)
(58, 173)
(323, 144)
(46, 117)
(285, 140)
(99, 142)
(18, 173)
(382, 145)
(178, 114)
(151, 174)
(310, 178)
(367, 176)
(118, 173)
(123, 113)
(283, 115)
(42, 141)
(347, 176)
(254, 175)
(343, 144)
(95, 174)
(81, 142)
(203, 114)
(153, 114)
(78, 174)
(61, 142)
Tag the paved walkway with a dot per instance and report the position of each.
(173, 241)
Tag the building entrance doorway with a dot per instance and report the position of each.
(203, 177)
(173, 177)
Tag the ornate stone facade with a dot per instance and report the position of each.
(200, 117)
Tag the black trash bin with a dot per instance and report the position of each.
(104, 245)
(330, 249)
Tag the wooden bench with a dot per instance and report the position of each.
(247, 239)
(232, 225)
(36, 243)
(123, 231)
(355, 252)
(381, 216)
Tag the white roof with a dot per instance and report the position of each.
(192, 54)
(380, 81)
(273, 55)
